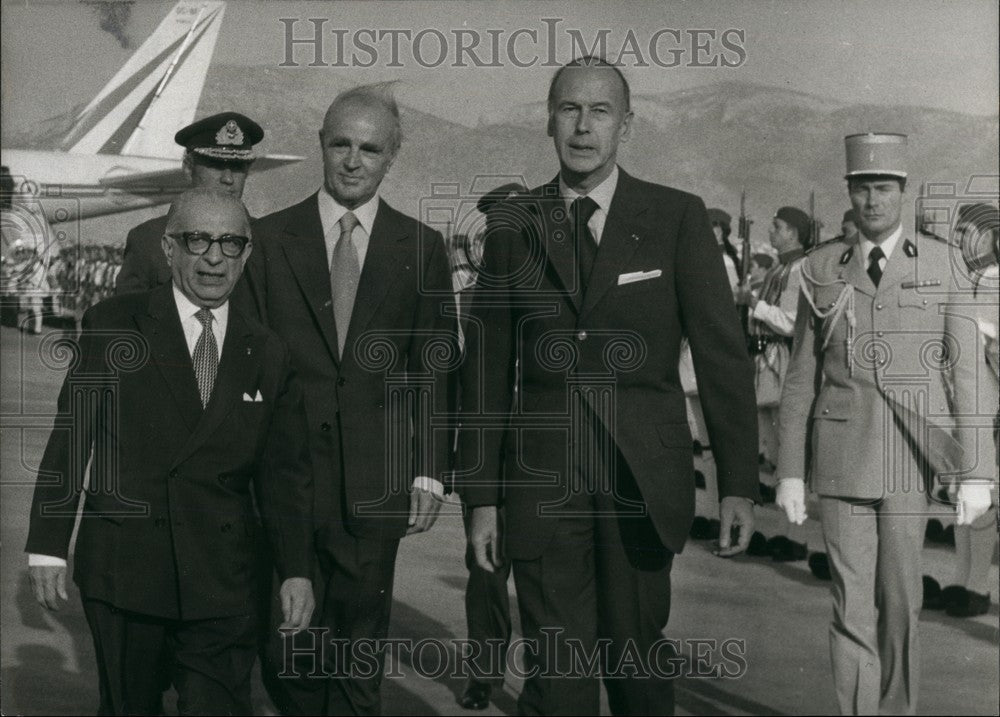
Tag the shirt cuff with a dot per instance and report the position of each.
(429, 484)
(42, 561)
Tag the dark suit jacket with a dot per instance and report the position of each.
(528, 308)
(370, 413)
(168, 526)
(144, 266)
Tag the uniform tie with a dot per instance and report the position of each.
(206, 356)
(345, 274)
(581, 210)
(874, 268)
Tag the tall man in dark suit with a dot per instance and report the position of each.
(182, 402)
(588, 284)
(362, 295)
(218, 152)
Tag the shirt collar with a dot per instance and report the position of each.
(887, 246)
(603, 193)
(330, 211)
(187, 309)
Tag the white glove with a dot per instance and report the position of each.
(974, 499)
(791, 497)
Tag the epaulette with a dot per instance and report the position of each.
(827, 242)
(937, 237)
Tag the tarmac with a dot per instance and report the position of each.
(777, 611)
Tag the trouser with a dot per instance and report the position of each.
(874, 550)
(487, 614)
(210, 661)
(353, 612)
(601, 586)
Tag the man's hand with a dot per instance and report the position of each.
(744, 296)
(297, 604)
(484, 537)
(973, 500)
(47, 582)
(424, 508)
(734, 512)
(791, 497)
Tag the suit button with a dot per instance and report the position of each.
(880, 333)
(581, 335)
(324, 426)
(826, 411)
(881, 361)
(878, 307)
(341, 381)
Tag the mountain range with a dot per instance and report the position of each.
(714, 140)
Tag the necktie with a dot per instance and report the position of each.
(581, 210)
(206, 356)
(345, 274)
(874, 269)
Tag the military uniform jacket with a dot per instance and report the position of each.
(858, 412)
(168, 524)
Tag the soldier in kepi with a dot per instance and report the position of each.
(772, 320)
(882, 323)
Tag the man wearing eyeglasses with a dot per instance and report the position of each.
(218, 155)
(179, 402)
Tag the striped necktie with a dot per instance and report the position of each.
(206, 356)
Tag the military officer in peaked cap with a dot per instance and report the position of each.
(218, 154)
(881, 320)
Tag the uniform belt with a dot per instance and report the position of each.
(758, 343)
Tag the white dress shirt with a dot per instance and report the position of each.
(887, 246)
(330, 212)
(602, 194)
(192, 328)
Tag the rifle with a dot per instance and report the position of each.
(815, 225)
(743, 234)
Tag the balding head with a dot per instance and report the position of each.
(205, 228)
(359, 139)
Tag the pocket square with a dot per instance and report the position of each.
(635, 276)
(253, 399)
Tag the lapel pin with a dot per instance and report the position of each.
(635, 237)
(248, 350)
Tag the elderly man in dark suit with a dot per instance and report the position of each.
(180, 402)
(362, 295)
(218, 153)
(588, 285)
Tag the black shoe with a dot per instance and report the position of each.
(934, 532)
(971, 605)
(819, 565)
(699, 479)
(952, 595)
(476, 695)
(932, 594)
(758, 545)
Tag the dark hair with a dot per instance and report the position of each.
(590, 61)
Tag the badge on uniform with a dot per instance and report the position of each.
(921, 284)
(846, 256)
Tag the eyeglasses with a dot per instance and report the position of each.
(198, 243)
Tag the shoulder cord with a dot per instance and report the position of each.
(844, 305)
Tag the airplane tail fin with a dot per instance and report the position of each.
(156, 92)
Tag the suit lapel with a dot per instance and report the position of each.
(305, 250)
(900, 266)
(386, 251)
(237, 368)
(854, 271)
(557, 238)
(161, 327)
(619, 241)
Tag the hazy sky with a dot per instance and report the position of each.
(938, 54)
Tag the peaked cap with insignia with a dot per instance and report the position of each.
(228, 136)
